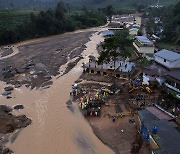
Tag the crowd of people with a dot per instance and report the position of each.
(90, 100)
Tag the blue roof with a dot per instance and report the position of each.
(108, 32)
(168, 55)
(143, 40)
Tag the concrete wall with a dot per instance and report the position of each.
(168, 64)
(147, 78)
(144, 49)
(133, 32)
(138, 20)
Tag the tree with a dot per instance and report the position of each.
(60, 10)
(109, 12)
(115, 46)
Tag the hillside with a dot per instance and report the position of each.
(10, 19)
(45, 4)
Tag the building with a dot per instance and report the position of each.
(172, 83)
(120, 69)
(116, 26)
(143, 45)
(168, 58)
(158, 129)
(154, 72)
(167, 66)
(108, 33)
(133, 31)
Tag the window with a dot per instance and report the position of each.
(104, 73)
(92, 71)
(164, 60)
(117, 75)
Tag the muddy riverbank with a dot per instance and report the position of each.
(34, 63)
(55, 129)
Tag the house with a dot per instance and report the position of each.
(167, 58)
(143, 45)
(154, 72)
(108, 33)
(157, 129)
(115, 26)
(167, 66)
(172, 83)
(120, 69)
(133, 31)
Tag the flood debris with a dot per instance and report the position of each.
(18, 107)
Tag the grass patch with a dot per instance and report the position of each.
(169, 46)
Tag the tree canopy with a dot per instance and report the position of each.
(118, 45)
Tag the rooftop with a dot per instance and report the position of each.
(108, 32)
(168, 55)
(120, 66)
(144, 40)
(174, 74)
(155, 69)
(169, 137)
(134, 29)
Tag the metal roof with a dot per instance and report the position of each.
(169, 137)
(175, 74)
(108, 32)
(168, 55)
(144, 40)
(156, 70)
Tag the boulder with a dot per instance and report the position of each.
(21, 70)
(18, 107)
(9, 88)
(7, 75)
(17, 85)
(8, 97)
(5, 108)
(5, 93)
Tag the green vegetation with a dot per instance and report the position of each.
(9, 20)
(144, 62)
(21, 25)
(168, 45)
(77, 4)
(115, 46)
(168, 20)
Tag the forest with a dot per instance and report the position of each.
(76, 4)
(44, 23)
(21, 20)
(169, 22)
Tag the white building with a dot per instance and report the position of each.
(169, 64)
(143, 45)
(133, 31)
(173, 83)
(154, 73)
(167, 58)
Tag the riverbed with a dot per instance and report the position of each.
(55, 129)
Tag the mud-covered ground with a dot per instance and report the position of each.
(38, 61)
(122, 135)
(34, 64)
(9, 123)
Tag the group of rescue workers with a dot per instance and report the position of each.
(90, 101)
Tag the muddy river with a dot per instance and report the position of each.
(55, 129)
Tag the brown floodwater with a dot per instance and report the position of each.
(55, 129)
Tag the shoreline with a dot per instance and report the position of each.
(43, 107)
